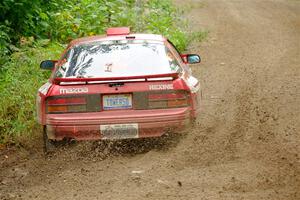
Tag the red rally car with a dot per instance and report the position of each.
(117, 86)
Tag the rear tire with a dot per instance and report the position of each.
(49, 145)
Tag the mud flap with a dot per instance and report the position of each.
(49, 145)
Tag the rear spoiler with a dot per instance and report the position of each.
(146, 77)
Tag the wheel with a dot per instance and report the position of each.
(49, 145)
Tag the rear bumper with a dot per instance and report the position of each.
(86, 126)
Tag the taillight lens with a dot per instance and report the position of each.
(169, 100)
(66, 104)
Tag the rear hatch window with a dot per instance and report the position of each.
(118, 58)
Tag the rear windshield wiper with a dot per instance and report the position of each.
(115, 84)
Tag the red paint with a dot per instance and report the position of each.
(117, 31)
(184, 58)
(86, 126)
(146, 77)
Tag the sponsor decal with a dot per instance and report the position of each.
(108, 67)
(44, 88)
(119, 131)
(161, 87)
(193, 84)
(73, 90)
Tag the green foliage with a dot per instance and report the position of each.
(88, 17)
(161, 17)
(65, 20)
(4, 43)
(59, 19)
(19, 81)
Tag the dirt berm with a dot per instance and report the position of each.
(245, 145)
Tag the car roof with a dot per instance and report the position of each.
(136, 36)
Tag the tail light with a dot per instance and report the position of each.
(66, 104)
(141, 101)
(168, 100)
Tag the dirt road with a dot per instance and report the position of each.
(246, 144)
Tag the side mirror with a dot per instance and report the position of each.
(48, 64)
(191, 58)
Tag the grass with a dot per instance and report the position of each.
(19, 80)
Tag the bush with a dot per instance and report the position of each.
(4, 43)
(163, 18)
(58, 19)
(65, 20)
(88, 17)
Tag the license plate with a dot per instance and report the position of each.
(119, 131)
(118, 101)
